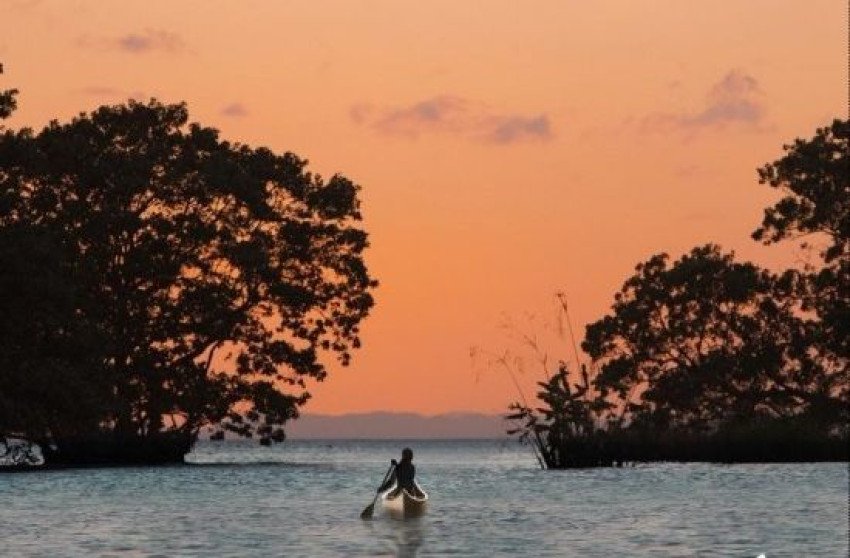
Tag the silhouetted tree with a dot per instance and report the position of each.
(47, 351)
(708, 358)
(564, 429)
(8, 103)
(705, 341)
(212, 275)
(814, 175)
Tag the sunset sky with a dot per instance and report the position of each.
(507, 150)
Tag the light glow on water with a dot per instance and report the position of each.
(487, 499)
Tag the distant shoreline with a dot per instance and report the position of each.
(384, 425)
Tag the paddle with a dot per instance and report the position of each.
(370, 509)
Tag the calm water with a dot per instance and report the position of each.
(487, 499)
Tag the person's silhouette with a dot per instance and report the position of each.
(403, 475)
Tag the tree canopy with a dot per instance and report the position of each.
(192, 281)
(710, 358)
(8, 104)
(814, 176)
(707, 340)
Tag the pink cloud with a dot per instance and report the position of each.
(236, 110)
(149, 40)
(451, 115)
(734, 100)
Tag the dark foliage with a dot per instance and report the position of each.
(8, 103)
(708, 340)
(157, 279)
(762, 440)
(814, 176)
(711, 359)
(572, 429)
(564, 431)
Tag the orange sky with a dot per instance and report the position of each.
(506, 150)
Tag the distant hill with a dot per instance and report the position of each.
(386, 425)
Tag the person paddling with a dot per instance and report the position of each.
(403, 475)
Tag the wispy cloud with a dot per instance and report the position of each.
(235, 110)
(446, 114)
(510, 129)
(736, 99)
(149, 40)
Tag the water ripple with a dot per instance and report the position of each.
(488, 499)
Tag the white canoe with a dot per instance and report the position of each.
(402, 504)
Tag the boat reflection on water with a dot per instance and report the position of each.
(401, 539)
(401, 527)
(408, 537)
